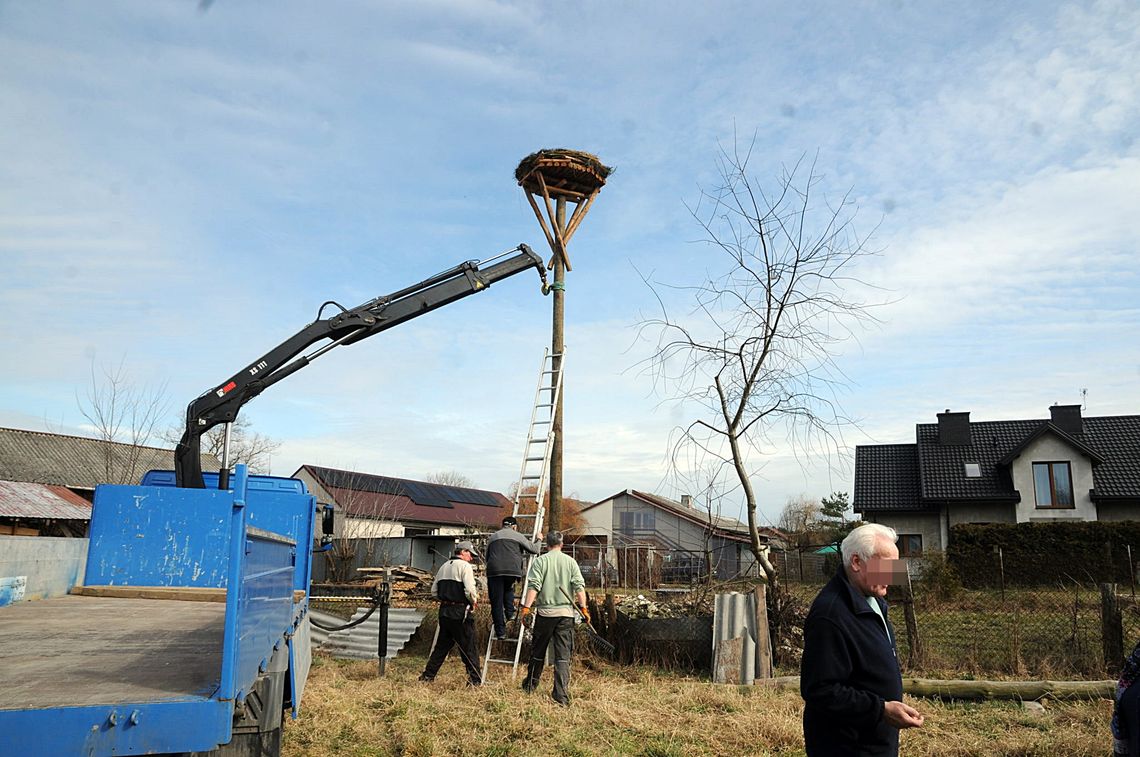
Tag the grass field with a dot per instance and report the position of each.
(349, 711)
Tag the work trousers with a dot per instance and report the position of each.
(502, 592)
(459, 632)
(1128, 714)
(549, 629)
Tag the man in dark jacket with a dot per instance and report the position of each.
(849, 676)
(506, 549)
(454, 587)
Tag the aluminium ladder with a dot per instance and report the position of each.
(534, 474)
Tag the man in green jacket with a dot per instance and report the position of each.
(553, 578)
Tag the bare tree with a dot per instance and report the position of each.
(125, 416)
(754, 356)
(246, 445)
(450, 478)
(800, 518)
(573, 521)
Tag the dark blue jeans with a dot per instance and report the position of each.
(501, 590)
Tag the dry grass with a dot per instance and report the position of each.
(349, 711)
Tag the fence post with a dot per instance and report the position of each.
(1001, 568)
(913, 640)
(763, 635)
(385, 599)
(1131, 572)
(1111, 630)
(800, 552)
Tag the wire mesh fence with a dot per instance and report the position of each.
(643, 567)
(1070, 628)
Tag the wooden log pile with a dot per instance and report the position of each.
(408, 583)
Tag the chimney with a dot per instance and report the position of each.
(953, 429)
(687, 501)
(1067, 418)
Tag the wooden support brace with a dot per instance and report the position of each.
(560, 250)
(541, 222)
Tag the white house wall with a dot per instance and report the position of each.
(668, 529)
(965, 512)
(315, 488)
(927, 525)
(1115, 512)
(368, 528)
(1050, 449)
(599, 519)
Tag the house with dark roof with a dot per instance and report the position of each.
(47, 481)
(1062, 468)
(382, 506)
(80, 463)
(678, 531)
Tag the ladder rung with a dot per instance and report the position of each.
(546, 404)
(525, 515)
(539, 441)
(540, 457)
(504, 662)
(547, 421)
(531, 478)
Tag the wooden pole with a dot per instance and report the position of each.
(1023, 690)
(1111, 631)
(913, 641)
(763, 635)
(556, 347)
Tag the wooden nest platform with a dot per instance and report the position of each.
(571, 174)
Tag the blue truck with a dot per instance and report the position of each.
(190, 633)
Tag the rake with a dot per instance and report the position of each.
(600, 644)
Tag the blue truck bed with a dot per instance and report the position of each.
(217, 656)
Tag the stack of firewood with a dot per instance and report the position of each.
(408, 583)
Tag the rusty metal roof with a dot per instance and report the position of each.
(23, 500)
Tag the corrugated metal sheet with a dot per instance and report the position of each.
(734, 638)
(23, 500)
(360, 642)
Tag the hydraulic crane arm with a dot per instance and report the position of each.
(222, 403)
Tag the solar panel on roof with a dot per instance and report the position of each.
(422, 493)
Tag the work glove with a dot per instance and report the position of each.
(585, 613)
(524, 613)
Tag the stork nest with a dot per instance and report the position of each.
(570, 173)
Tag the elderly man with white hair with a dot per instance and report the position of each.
(850, 678)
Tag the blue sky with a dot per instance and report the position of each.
(182, 189)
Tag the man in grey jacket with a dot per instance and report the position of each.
(506, 553)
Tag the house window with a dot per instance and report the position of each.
(910, 545)
(973, 470)
(638, 520)
(1053, 484)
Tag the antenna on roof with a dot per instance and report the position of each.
(1084, 399)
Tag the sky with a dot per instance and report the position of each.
(184, 184)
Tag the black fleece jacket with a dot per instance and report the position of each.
(849, 671)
